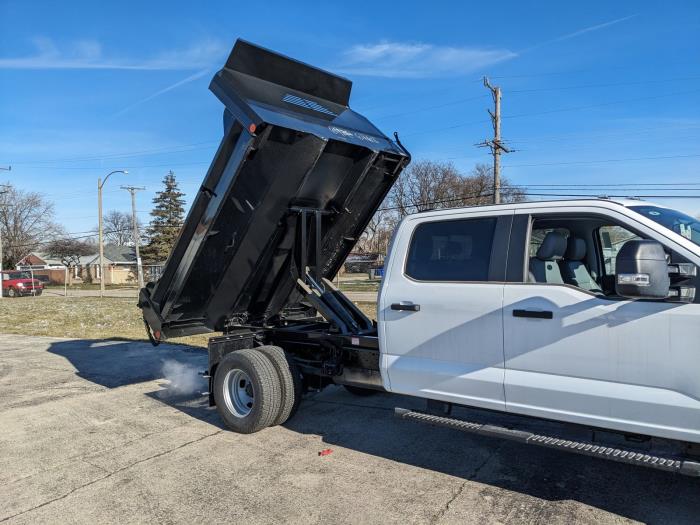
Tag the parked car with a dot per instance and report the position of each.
(361, 262)
(18, 284)
(43, 278)
(581, 312)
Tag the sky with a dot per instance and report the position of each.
(593, 92)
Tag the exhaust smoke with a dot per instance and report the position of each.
(183, 379)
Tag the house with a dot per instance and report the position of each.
(41, 264)
(119, 265)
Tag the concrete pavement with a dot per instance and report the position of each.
(92, 433)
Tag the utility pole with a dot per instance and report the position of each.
(1, 255)
(4, 190)
(135, 226)
(100, 185)
(495, 144)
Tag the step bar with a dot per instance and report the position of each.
(677, 465)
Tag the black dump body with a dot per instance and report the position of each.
(294, 157)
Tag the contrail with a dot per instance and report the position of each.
(579, 32)
(176, 85)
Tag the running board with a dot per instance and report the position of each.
(670, 464)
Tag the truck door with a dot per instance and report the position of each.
(584, 355)
(441, 324)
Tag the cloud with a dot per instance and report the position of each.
(88, 54)
(418, 60)
(580, 32)
(186, 80)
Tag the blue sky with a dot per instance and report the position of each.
(87, 87)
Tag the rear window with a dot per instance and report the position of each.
(457, 250)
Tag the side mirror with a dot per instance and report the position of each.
(642, 271)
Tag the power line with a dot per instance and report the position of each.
(631, 159)
(169, 164)
(557, 110)
(90, 234)
(601, 104)
(426, 108)
(611, 84)
(139, 153)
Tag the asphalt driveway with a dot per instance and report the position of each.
(91, 432)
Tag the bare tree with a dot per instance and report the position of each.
(118, 228)
(69, 251)
(26, 219)
(426, 185)
(376, 236)
(421, 185)
(433, 185)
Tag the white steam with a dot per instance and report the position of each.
(183, 379)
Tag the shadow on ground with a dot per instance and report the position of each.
(367, 425)
(119, 362)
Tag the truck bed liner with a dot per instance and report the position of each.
(291, 147)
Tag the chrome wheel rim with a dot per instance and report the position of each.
(239, 394)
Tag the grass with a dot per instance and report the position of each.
(359, 285)
(88, 318)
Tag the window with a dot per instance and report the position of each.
(612, 238)
(458, 250)
(674, 220)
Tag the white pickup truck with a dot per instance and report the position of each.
(582, 312)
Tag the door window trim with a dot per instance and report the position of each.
(532, 217)
(499, 249)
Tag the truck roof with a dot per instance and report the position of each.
(554, 203)
(296, 178)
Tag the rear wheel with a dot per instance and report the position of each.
(288, 376)
(247, 391)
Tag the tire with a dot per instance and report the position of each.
(247, 391)
(359, 391)
(286, 377)
(11, 292)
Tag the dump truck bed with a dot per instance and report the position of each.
(293, 184)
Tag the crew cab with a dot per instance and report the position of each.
(579, 312)
(18, 284)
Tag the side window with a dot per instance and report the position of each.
(457, 250)
(612, 238)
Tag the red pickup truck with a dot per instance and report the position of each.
(17, 284)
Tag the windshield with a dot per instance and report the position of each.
(676, 221)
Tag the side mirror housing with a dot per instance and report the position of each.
(642, 271)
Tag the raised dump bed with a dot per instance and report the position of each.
(294, 182)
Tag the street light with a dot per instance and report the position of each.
(100, 184)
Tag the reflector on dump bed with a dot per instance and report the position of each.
(291, 144)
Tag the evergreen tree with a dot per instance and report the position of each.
(168, 214)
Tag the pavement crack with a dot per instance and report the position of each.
(110, 474)
(446, 507)
(438, 516)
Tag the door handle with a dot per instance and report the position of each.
(406, 307)
(533, 314)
